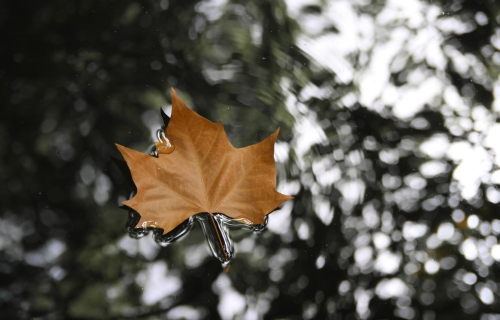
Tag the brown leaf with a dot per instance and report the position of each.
(200, 171)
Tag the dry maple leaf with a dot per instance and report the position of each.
(198, 170)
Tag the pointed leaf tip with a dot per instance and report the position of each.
(119, 147)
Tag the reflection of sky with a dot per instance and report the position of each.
(399, 39)
(419, 35)
(157, 283)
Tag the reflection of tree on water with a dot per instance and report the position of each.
(389, 145)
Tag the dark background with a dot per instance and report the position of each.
(78, 76)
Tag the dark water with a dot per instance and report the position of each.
(388, 143)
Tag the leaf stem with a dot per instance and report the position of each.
(218, 236)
